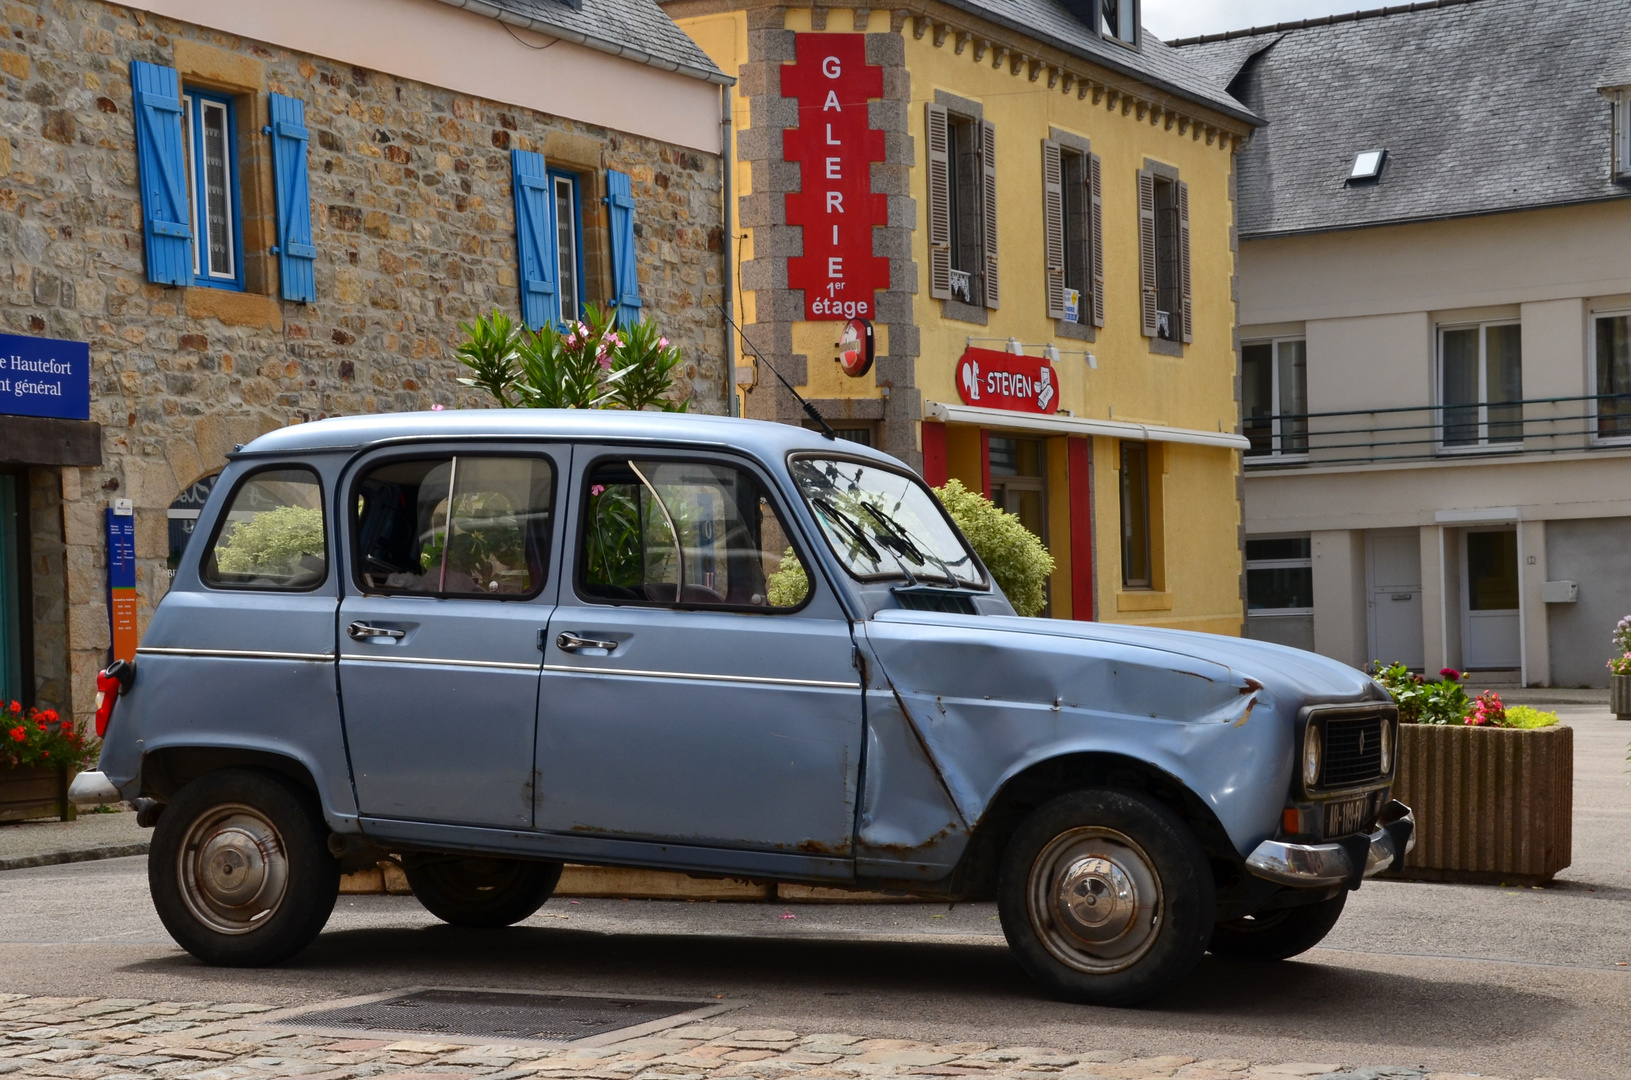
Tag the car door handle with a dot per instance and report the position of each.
(362, 631)
(572, 643)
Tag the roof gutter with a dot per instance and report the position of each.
(1429, 219)
(577, 37)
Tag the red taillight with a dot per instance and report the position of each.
(107, 692)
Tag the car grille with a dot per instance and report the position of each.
(1353, 750)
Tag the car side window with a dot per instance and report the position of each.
(271, 536)
(454, 525)
(701, 534)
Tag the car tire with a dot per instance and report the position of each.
(471, 891)
(239, 868)
(1277, 935)
(1106, 897)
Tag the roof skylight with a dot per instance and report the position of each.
(1367, 165)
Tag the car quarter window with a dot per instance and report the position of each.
(706, 533)
(454, 525)
(271, 536)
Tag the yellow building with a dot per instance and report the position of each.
(1047, 192)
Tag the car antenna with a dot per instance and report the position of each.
(810, 410)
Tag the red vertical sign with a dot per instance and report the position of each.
(835, 148)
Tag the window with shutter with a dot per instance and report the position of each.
(1185, 325)
(988, 219)
(1053, 228)
(939, 198)
(625, 271)
(534, 238)
(297, 258)
(1096, 235)
(162, 172)
(1148, 303)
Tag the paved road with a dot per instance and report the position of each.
(1516, 983)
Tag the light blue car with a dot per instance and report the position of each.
(489, 643)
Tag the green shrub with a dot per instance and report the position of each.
(789, 585)
(1423, 702)
(1525, 716)
(272, 542)
(1013, 554)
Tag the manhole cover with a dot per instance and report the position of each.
(497, 1015)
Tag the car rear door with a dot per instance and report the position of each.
(451, 584)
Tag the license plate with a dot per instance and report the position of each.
(1347, 816)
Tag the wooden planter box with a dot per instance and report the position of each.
(1492, 805)
(34, 793)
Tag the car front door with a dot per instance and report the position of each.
(450, 588)
(698, 684)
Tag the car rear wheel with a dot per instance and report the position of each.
(239, 868)
(480, 892)
(1277, 935)
(1106, 897)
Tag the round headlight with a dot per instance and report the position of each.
(1387, 748)
(1311, 757)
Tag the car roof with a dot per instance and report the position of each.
(763, 438)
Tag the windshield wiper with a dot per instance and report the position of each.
(893, 528)
(853, 528)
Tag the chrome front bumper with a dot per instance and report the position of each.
(1347, 861)
(92, 789)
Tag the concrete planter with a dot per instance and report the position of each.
(34, 792)
(1619, 696)
(1492, 805)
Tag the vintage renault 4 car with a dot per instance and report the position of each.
(489, 643)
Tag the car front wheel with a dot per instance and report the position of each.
(239, 868)
(1106, 897)
(478, 891)
(1277, 935)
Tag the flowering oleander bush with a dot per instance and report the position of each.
(591, 364)
(40, 737)
(1013, 554)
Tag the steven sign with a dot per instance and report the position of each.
(1003, 380)
(835, 147)
(45, 377)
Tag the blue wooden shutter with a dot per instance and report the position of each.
(297, 258)
(625, 274)
(162, 173)
(534, 239)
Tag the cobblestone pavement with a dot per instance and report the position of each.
(128, 1039)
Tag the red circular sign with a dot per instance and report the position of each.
(855, 348)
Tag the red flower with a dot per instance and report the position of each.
(16, 708)
(49, 715)
(19, 733)
(1450, 673)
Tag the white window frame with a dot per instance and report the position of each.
(1277, 438)
(1279, 564)
(191, 112)
(1621, 126)
(1591, 376)
(1483, 445)
(570, 257)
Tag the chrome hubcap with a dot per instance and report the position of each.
(1095, 900)
(233, 868)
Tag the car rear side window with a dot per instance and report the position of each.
(272, 535)
(455, 525)
(700, 534)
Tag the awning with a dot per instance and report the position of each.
(1056, 424)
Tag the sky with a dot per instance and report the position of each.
(1169, 19)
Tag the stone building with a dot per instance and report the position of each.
(1033, 200)
(1436, 325)
(252, 215)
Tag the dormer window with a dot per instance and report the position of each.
(1622, 135)
(1118, 21)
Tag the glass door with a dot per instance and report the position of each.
(13, 496)
(1491, 625)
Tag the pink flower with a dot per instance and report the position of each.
(604, 360)
(596, 490)
(1449, 673)
(571, 339)
(437, 408)
(662, 343)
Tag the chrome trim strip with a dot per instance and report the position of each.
(232, 654)
(430, 661)
(702, 677)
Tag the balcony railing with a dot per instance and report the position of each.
(1435, 432)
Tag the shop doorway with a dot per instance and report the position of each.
(1393, 592)
(1491, 627)
(1019, 485)
(16, 646)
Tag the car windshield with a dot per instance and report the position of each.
(883, 524)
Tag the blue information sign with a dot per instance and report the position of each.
(45, 377)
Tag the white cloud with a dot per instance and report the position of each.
(1169, 19)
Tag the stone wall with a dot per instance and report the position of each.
(414, 228)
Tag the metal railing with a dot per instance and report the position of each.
(1436, 432)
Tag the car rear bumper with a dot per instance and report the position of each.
(92, 789)
(1347, 861)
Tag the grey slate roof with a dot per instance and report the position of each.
(636, 29)
(1483, 107)
(1153, 62)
